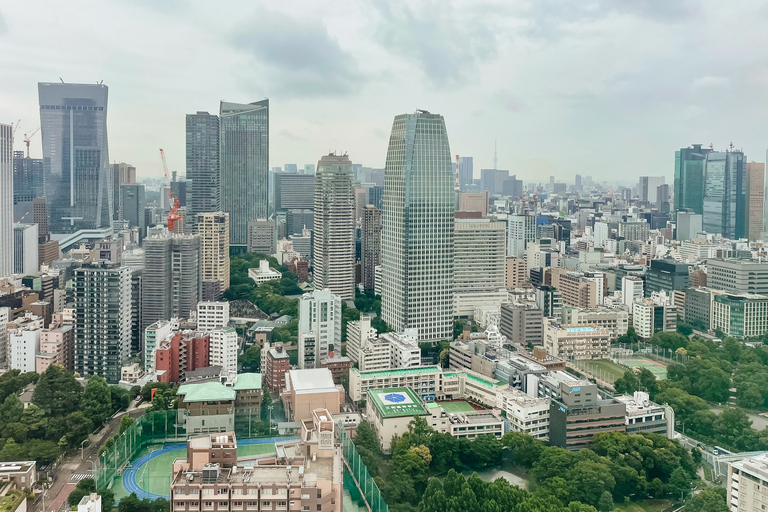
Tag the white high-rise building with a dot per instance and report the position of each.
(213, 228)
(319, 327)
(24, 344)
(5, 317)
(211, 315)
(521, 229)
(25, 256)
(631, 289)
(334, 234)
(223, 348)
(153, 335)
(6, 199)
(601, 233)
(357, 333)
(417, 228)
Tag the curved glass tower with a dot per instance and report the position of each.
(417, 228)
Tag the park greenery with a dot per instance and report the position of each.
(86, 486)
(618, 468)
(707, 375)
(62, 413)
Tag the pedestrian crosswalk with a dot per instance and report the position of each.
(79, 476)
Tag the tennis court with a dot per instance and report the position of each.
(601, 368)
(457, 406)
(656, 368)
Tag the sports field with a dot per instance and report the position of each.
(457, 406)
(656, 368)
(602, 369)
(149, 476)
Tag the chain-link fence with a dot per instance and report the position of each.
(359, 472)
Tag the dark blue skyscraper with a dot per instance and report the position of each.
(78, 188)
(203, 183)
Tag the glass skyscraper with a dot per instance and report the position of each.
(78, 188)
(417, 228)
(244, 152)
(725, 194)
(689, 178)
(6, 200)
(203, 184)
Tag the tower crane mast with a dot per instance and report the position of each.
(173, 214)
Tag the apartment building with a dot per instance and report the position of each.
(576, 342)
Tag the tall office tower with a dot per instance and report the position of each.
(577, 183)
(6, 199)
(725, 194)
(25, 258)
(688, 225)
(185, 268)
(521, 229)
(28, 178)
(333, 254)
(203, 184)
(370, 245)
(319, 327)
(417, 228)
(156, 280)
(262, 236)
(179, 189)
(662, 196)
(755, 199)
(40, 217)
(244, 142)
(294, 191)
(297, 220)
(290, 168)
(133, 203)
(213, 229)
(479, 265)
(309, 169)
(122, 174)
(466, 172)
(648, 186)
(102, 337)
(493, 180)
(75, 156)
(689, 178)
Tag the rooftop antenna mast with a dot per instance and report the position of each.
(495, 160)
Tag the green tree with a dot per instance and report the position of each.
(121, 398)
(77, 428)
(729, 427)
(485, 450)
(12, 451)
(525, 449)
(685, 329)
(627, 384)
(57, 392)
(96, 402)
(680, 481)
(164, 400)
(44, 452)
(713, 499)
(34, 419)
(11, 410)
(83, 488)
(250, 360)
(125, 422)
(605, 503)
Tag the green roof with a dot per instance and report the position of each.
(400, 372)
(248, 381)
(489, 383)
(432, 405)
(396, 402)
(206, 392)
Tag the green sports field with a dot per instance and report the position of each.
(602, 368)
(656, 368)
(456, 407)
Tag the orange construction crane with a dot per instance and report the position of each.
(27, 138)
(173, 214)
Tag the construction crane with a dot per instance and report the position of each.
(173, 214)
(13, 136)
(27, 138)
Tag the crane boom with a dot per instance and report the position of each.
(27, 138)
(173, 214)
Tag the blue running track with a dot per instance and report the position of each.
(129, 475)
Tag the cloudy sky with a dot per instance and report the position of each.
(597, 87)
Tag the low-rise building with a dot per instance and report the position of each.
(478, 355)
(22, 473)
(275, 362)
(211, 315)
(576, 342)
(464, 425)
(210, 406)
(338, 365)
(616, 320)
(740, 316)
(746, 484)
(424, 380)
(300, 476)
(522, 324)
(654, 314)
(263, 273)
(309, 389)
(358, 332)
(55, 348)
(390, 410)
(526, 414)
(646, 417)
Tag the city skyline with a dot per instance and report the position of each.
(538, 89)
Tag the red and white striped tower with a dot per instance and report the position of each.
(456, 183)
